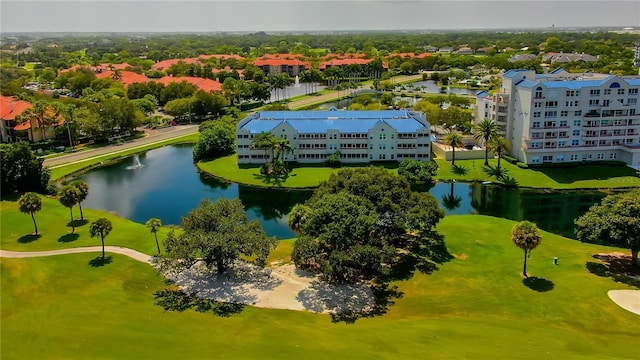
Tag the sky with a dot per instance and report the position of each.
(308, 15)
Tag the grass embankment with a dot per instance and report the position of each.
(59, 172)
(591, 176)
(475, 306)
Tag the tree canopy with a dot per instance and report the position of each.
(364, 223)
(218, 234)
(615, 221)
(215, 140)
(21, 170)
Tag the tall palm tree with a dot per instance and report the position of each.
(282, 147)
(100, 227)
(30, 203)
(454, 139)
(154, 225)
(484, 131)
(42, 113)
(527, 237)
(298, 216)
(499, 144)
(69, 197)
(266, 141)
(83, 191)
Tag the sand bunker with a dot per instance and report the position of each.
(626, 299)
(278, 287)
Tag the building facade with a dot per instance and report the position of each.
(561, 117)
(357, 136)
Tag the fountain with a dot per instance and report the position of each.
(136, 163)
(297, 83)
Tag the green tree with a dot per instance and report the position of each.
(42, 114)
(527, 237)
(282, 148)
(154, 225)
(101, 227)
(454, 140)
(68, 197)
(266, 141)
(83, 191)
(216, 141)
(176, 90)
(615, 221)
(21, 170)
(484, 131)
(499, 144)
(30, 203)
(418, 171)
(218, 234)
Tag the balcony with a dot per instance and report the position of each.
(592, 114)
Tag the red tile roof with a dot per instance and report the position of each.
(10, 107)
(98, 68)
(281, 56)
(344, 62)
(127, 77)
(409, 55)
(221, 56)
(346, 56)
(200, 83)
(166, 64)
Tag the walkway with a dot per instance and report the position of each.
(153, 137)
(136, 255)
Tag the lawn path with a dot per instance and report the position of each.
(136, 255)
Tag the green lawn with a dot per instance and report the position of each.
(591, 176)
(474, 307)
(60, 172)
(580, 177)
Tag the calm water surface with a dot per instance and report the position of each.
(168, 186)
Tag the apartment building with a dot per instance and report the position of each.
(284, 65)
(358, 136)
(562, 117)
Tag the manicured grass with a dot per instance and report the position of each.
(591, 176)
(60, 172)
(53, 225)
(473, 307)
(580, 177)
(300, 177)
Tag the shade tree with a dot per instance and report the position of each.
(527, 237)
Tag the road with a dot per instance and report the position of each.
(153, 136)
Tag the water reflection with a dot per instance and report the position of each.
(168, 186)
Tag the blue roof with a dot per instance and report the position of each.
(527, 83)
(557, 70)
(575, 84)
(482, 94)
(323, 121)
(511, 73)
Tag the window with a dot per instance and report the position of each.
(563, 123)
(547, 159)
(548, 124)
(600, 157)
(383, 136)
(572, 93)
(535, 159)
(595, 102)
(382, 146)
(535, 145)
(538, 93)
(550, 114)
(633, 91)
(536, 114)
(607, 92)
(613, 156)
(632, 101)
(576, 133)
(575, 142)
(563, 134)
(564, 113)
(536, 124)
(562, 143)
(620, 91)
(577, 122)
(574, 157)
(605, 102)
(536, 135)
(595, 92)
(577, 113)
(551, 104)
(537, 104)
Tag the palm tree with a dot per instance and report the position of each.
(454, 140)
(154, 224)
(298, 216)
(499, 144)
(83, 191)
(101, 227)
(69, 197)
(484, 131)
(42, 113)
(30, 203)
(526, 236)
(282, 147)
(266, 141)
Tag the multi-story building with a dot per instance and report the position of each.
(285, 65)
(358, 136)
(562, 117)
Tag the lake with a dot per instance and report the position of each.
(168, 185)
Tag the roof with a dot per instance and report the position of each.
(482, 94)
(343, 62)
(10, 107)
(200, 83)
(166, 64)
(511, 73)
(323, 121)
(280, 62)
(126, 77)
(576, 83)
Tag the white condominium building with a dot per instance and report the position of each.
(562, 117)
(358, 136)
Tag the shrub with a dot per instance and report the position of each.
(522, 165)
(510, 159)
(417, 171)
